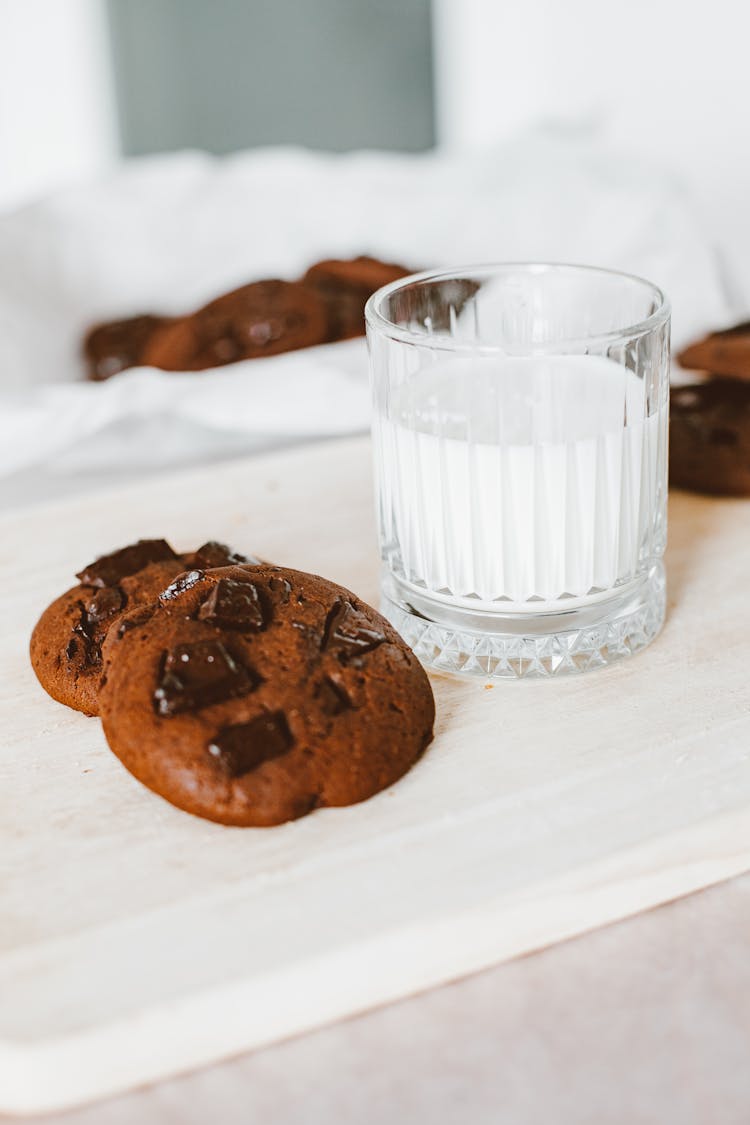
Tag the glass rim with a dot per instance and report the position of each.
(376, 320)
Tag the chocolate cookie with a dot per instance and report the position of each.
(709, 437)
(253, 697)
(346, 286)
(721, 353)
(118, 344)
(261, 319)
(66, 643)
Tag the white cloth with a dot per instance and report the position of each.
(165, 234)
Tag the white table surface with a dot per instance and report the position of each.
(643, 1023)
(646, 1021)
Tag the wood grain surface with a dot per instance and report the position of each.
(136, 941)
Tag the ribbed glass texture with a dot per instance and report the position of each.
(520, 442)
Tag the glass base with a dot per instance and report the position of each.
(515, 646)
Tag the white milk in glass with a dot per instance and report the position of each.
(518, 480)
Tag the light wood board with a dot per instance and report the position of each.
(137, 941)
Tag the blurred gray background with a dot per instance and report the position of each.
(227, 75)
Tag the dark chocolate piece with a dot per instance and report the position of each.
(181, 583)
(234, 605)
(333, 697)
(281, 589)
(244, 747)
(110, 569)
(196, 675)
(348, 633)
(213, 554)
(84, 649)
(105, 602)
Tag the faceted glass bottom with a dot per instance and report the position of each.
(571, 642)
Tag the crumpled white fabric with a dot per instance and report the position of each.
(166, 234)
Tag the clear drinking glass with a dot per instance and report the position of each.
(520, 439)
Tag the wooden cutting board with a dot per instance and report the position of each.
(137, 941)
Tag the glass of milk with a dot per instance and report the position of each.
(520, 431)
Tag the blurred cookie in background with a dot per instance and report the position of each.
(722, 353)
(346, 285)
(709, 437)
(119, 344)
(260, 319)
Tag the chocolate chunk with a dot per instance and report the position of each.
(181, 583)
(281, 589)
(333, 697)
(105, 602)
(196, 675)
(234, 605)
(213, 554)
(244, 747)
(110, 569)
(348, 632)
(84, 649)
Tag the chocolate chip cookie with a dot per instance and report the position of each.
(709, 437)
(261, 319)
(251, 697)
(66, 643)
